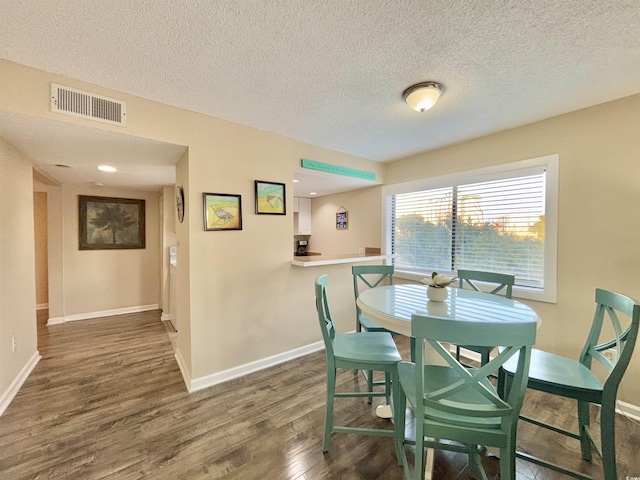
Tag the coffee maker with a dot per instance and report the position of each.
(301, 248)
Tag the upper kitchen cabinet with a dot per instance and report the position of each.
(303, 226)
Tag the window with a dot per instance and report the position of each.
(501, 219)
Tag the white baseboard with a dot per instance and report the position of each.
(470, 354)
(55, 320)
(10, 393)
(42, 306)
(167, 316)
(104, 313)
(235, 372)
(628, 410)
(183, 368)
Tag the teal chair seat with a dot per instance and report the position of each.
(374, 348)
(570, 378)
(371, 351)
(369, 325)
(563, 375)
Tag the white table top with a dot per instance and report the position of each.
(391, 307)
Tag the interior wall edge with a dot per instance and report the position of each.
(8, 395)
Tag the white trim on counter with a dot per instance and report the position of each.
(319, 260)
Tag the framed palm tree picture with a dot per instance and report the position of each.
(107, 223)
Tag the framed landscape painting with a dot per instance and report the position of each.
(270, 198)
(222, 211)
(107, 223)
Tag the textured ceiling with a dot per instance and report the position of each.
(331, 73)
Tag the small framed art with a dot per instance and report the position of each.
(342, 219)
(270, 198)
(222, 211)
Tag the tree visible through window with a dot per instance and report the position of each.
(497, 226)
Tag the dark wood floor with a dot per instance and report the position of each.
(107, 401)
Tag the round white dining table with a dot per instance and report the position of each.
(391, 307)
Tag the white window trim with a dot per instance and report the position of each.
(551, 165)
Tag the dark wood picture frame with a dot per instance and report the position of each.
(271, 198)
(108, 223)
(222, 211)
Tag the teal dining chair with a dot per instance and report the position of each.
(457, 405)
(575, 379)
(374, 351)
(369, 276)
(498, 282)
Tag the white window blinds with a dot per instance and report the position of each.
(496, 225)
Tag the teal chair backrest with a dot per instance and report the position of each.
(504, 281)
(623, 341)
(517, 338)
(324, 315)
(370, 276)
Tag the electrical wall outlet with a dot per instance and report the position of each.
(610, 354)
(361, 251)
(14, 343)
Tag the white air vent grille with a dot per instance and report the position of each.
(88, 105)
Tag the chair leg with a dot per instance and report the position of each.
(412, 344)
(399, 421)
(457, 353)
(583, 425)
(419, 460)
(387, 387)
(485, 358)
(501, 383)
(369, 375)
(608, 441)
(508, 461)
(328, 419)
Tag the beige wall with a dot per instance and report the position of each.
(364, 222)
(239, 299)
(599, 224)
(168, 219)
(103, 280)
(17, 266)
(40, 226)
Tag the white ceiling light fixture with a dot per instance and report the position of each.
(422, 96)
(107, 168)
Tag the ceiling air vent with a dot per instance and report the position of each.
(88, 105)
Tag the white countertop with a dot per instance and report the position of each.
(319, 260)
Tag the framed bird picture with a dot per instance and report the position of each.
(222, 211)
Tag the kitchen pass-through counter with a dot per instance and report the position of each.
(319, 260)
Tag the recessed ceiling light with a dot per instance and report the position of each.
(295, 180)
(107, 168)
(313, 193)
(98, 184)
